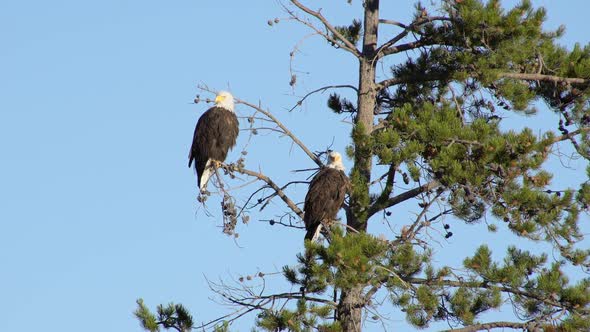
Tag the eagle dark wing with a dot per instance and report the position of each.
(215, 134)
(324, 198)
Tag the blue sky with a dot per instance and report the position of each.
(97, 203)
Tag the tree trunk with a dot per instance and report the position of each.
(350, 307)
(361, 172)
(350, 310)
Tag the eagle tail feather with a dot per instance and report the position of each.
(314, 233)
(207, 173)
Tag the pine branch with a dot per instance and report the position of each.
(490, 285)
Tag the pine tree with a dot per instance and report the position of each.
(438, 126)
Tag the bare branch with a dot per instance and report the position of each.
(492, 325)
(279, 222)
(418, 224)
(546, 78)
(271, 196)
(378, 206)
(341, 40)
(291, 296)
(269, 182)
(407, 46)
(322, 89)
(571, 134)
(413, 79)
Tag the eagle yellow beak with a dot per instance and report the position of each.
(219, 98)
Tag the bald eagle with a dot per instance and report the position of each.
(325, 196)
(215, 134)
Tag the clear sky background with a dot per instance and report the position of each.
(97, 205)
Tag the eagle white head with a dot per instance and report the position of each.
(225, 100)
(335, 161)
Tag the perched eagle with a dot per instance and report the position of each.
(325, 196)
(215, 134)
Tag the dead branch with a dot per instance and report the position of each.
(383, 50)
(492, 325)
(280, 222)
(338, 38)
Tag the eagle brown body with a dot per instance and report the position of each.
(324, 198)
(215, 134)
